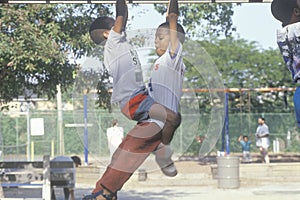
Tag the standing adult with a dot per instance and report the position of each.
(115, 136)
(262, 139)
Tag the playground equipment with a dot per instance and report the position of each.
(136, 1)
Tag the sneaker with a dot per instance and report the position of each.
(169, 170)
(94, 196)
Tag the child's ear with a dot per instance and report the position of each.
(105, 34)
(297, 11)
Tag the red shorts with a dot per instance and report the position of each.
(137, 108)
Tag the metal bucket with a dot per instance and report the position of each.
(142, 176)
(228, 172)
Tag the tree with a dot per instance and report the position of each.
(242, 64)
(40, 45)
(205, 20)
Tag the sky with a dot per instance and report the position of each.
(253, 21)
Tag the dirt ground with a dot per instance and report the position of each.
(194, 181)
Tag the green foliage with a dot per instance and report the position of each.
(104, 91)
(39, 44)
(12, 133)
(9, 138)
(205, 20)
(295, 145)
(244, 64)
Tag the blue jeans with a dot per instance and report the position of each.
(297, 105)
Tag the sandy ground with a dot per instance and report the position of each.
(269, 192)
(193, 182)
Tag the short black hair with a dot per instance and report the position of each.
(262, 118)
(114, 122)
(180, 30)
(282, 10)
(98, 26)
(76, 160)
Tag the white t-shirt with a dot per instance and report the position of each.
(122, 63)
(263, 130)
(115, 136)
(167, 79)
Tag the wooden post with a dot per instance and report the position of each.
(52, 148)
(1, 189)
(1, 192)
(46, 178)
(32, 151)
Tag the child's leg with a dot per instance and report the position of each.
(267, 159)
(142, 140)
(170, 119)
(244, 155)
(163, 157)
(266, 156)
(262, 156)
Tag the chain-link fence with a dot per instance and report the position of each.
(284, 136)
(16, 141)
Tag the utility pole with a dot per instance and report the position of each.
(60, 121)
(28, 132)
(86, 139)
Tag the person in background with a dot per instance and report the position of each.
(245, 142)
(262, 139)
(115, 136)
(200, 139)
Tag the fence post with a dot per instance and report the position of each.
(46, 178)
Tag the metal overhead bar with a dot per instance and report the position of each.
(130, 1)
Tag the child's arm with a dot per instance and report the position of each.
(172, 16)
(121, 16)
(240, 138)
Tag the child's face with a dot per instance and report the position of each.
(162, 39)
(99, 35)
